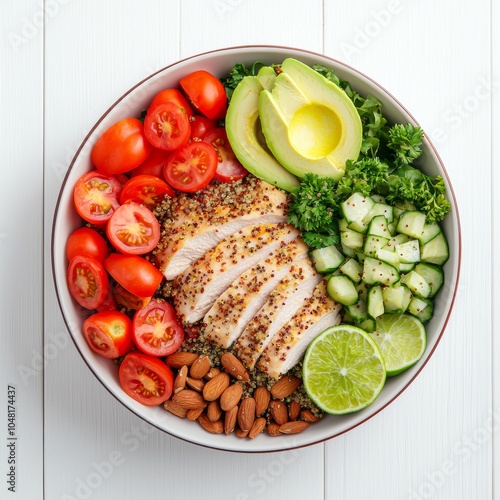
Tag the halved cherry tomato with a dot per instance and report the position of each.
(109, 333)
(146, 379)
(96, 196)
(87, 281)
(206, 93)
(122, 147)
(153, 165)
(166, 126)
(200, 125)
(172, 95)
(134, 273)
(192, 167)
(229, 169)
(86, 241)
(133, 229)
(127, 299)
(148, 190)
(156, 329)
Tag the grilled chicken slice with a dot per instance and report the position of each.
(289, 344)
(232, 311)
(198, 222)
(195, 291)
(291, 293)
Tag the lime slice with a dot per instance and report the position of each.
(343, 370)
(401, 339)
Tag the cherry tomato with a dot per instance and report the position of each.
(148, 190)
(133, 229)
(153, 165)
(86, 241)
(192, 167)
(87, 281)
(109, 303)
(200, 125)
(229, 169)
(134, 273)
(109, 333)
(122, 147)
(175, 96)
(146, 379)
(127, 299)
(156, 329)
(96, 196)
(206, 93)
(166, 126)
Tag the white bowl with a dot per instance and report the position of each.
(219, 62)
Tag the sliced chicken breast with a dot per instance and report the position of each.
(199, 221)
(292, 292)
(290, 343)
(232, 311)
(196, 290)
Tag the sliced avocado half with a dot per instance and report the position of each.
(309, 123)
(245, 135)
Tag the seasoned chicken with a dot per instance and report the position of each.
(198, 287)
(289, 295)
(232, 311)
(197, 222)
(289, 344)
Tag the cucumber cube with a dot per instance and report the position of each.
(388, 256)
(379, 226)
(436, 250)
(411, 223)
(380, 209)
(379, 272)
(353, 269)
(342, 290)
(373, 243)
(352, 239)
(375, 302)
(416, 284)
(327, 259)
(356, 207)
(408, 252)
(432, 274)
(396, 298)
(429, 232)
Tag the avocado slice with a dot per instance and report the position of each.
(309, 123)
(245, 135)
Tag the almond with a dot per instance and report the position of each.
(273, 429)
(294, 427)
(285, 386)
(231, 396)
(246, 413)
(308, 416)
(212, 373)
(234, 367)
(258, 426)
(214, 412)
(216, 386)
(212, 427)
(180, 379)
(240, 433)
(199, 367)
(180, 358)
(262, 397)
(189, 399)
(230, 419)
(195, 383)
(279, 411)
(175, 409)
(293, 410)
(194, 413)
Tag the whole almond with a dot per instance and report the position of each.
(212, 373)
(230, 419)
(216, 386)
(212, 427)
(195, 383)
(199, 368)
(189, 399)
(308, 416)
(214, 412)
(194, 413)
(234, 367)
(294, 427)
(240, 433)
(279, 411)
(258, 426)
(231, 396)
(273, 429)
(285, 386)
(246, 413)
(180, 358)
(262, 397)
(175, 409)
(180, 379)
(293, 410)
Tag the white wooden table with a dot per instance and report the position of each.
(63, 62)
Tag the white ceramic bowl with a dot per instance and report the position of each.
(66, 220)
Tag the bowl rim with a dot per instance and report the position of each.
(285, 50)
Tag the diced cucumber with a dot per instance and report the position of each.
(411, 223)
(396, 298)
(358, 311)
(436, 250)
(368, 325)
(359, 226)
(398, 210)
(373, 243)
(406, 267)
(408, 252)
(377, 198)
(405, 206)
(342, 224)
(398, 239)
(432, 274)
(356, 207)
(352, 239)
(423, 309)
(379, 272)
(353, 269)
(362, 289)
(379, 226)
(379, 209)
(347, 251)
(327, 259)
(375, 302)
(389, 256)
(342, 290)
(429, 232)
(392, 227)
(417, 284)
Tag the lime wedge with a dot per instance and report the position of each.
(343, 370)
(401, 339)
